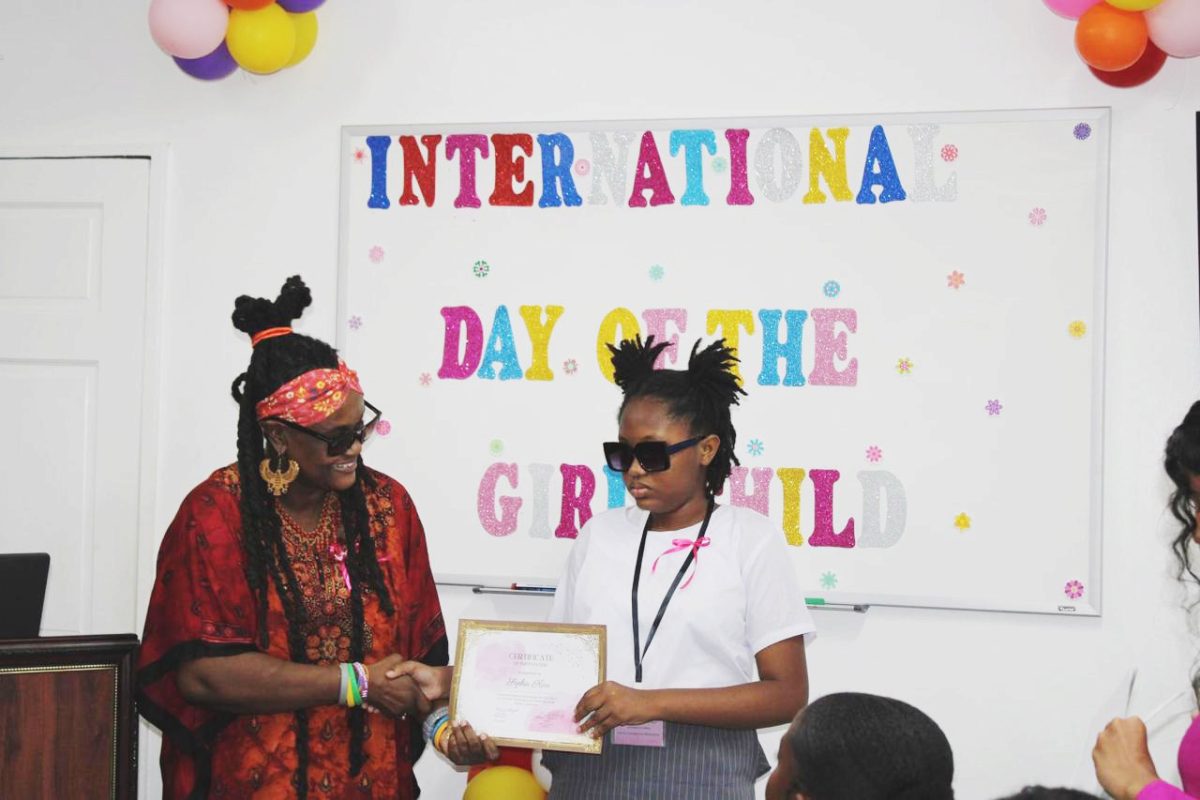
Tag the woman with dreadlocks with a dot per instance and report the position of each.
(287, 586)
(705, 621)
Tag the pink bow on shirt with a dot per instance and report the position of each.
(679, 545)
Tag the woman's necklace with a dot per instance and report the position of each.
(319, 543)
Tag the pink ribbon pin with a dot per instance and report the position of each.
(338, 552)
(679, 545)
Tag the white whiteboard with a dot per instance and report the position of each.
(950, 335)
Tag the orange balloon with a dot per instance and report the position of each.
(1110, 39)
(248, 5)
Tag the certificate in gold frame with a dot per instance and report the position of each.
(518, 682)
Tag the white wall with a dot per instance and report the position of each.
(253, 197)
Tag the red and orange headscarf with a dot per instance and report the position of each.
(311, 397)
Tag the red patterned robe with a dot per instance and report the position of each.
(202, 606)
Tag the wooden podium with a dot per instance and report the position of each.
(68, 726)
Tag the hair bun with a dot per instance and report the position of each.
(712, 370)
(254, 314)
(633, 361)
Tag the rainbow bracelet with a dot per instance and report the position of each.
(361, 672)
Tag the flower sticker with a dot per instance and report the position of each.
(1073, 590)
(949, 153)
(1077, 329)
(583, 166)
(955, 280)
(720, 164)
(570, 366)
(904, 366)
(874, 454)
(1082, 131)
(375, 254)
(993, 408)
(1037, 217)
(481, 268)
(383, 427)
(962, 522)
(354, 322)
(656, 272)
(831, 289)
(829, 580)
(755, 447)
(425, 379)
(496, 447)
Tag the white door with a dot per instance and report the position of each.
(73, 294)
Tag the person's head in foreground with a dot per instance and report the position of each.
(853, 746)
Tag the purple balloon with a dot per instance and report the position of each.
(214, 66)
(299, 6)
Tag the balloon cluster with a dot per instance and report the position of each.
(517, 775)
(1126, 42)
(209, 39)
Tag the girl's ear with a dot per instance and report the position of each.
(709, 446)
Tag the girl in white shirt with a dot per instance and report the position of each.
(706, 623)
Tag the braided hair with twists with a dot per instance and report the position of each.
(274, 362)
(700, 396)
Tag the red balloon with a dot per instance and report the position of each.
(1142, 70)
(248, 5)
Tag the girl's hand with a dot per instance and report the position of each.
(396, 697)
(464, 747)
(434, 681)
(1122, 758)
(611, 704)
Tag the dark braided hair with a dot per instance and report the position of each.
(700, 396)
(1182, 461)
(274, 362)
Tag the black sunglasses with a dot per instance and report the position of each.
(341, 439)
(653, 456)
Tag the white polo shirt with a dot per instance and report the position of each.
(743, 597)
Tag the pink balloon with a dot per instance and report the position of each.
(188, 28)
(1175, 27)
(1071, 9)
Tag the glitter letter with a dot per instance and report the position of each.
(539, 525)
(830, 167)
(619, 319)
(789, 350)
(926, 189)
(458, 319)
(573, 500)
(651, 176)
(485, 504)
(897, 509)
(379, 147)
(501, 347)
(739, 182)
(879, 153)
(616, 487)
(789, 157)
(831, 344)
(511, 168)
(791, 478)
(607, 168)
(539, 335)
(691, 141)
(760, 498)
(556, 170)
(465, 144)
(823, 535)
(424, 170)
(656, 326)
(730, 321)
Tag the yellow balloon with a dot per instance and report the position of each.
(261, 41)
(306, 36)
(504, 783)
(1133, 5)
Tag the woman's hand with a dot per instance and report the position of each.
(611, 704)
(464, 747)
(1122, 758)
(396, 697)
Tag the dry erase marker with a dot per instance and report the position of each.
(814, 601)
(521, 587)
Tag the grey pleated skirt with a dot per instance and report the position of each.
(698, 763)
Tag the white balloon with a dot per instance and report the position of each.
(540, 772)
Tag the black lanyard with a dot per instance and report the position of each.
(638, 651)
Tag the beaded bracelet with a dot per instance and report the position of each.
(361, 672)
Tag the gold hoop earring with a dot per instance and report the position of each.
(279, 478)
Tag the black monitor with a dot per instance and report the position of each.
(22, 592)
